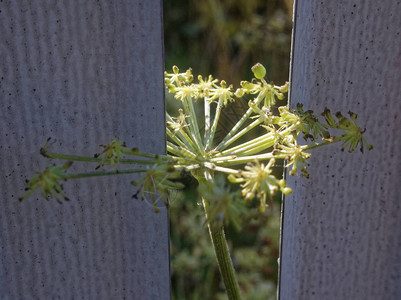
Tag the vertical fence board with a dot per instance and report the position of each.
(342, 226)
(83, 73)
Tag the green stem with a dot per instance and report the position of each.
(258, 147)
(207, 119)
(239, 134)
(179, 151)
(235, 128)
(103, 173)
(175, 139)
(212, 167)
(194, 128)
(215, 122)
(136, 152)
(182, 136)
(221, 251)
(246, 159)
(319, 145)
(90, 159)
(223, 258)
(266, 138)
(220, 245)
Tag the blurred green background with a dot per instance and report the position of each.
(225, 38)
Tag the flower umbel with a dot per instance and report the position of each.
(222, 92)
(258, 181)
(353, 134)
(296, 158)
(112, 153)
(179, 122)
(48, 182)
(311, 128)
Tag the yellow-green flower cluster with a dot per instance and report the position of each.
(257, 180)
(353, 134)
(266, 93)
(208, 88)
(48, 182)
(200, 153)
(112, 153)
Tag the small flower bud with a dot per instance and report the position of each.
(259, 71)
(249, 87)
(239, 93)
(171, 88)
(249, 196)
(284, 88)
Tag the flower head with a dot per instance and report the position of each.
(353, 134)
(250, 87)
(223, 93)
(204, 86)
(112, 153)
(177, 78)
(48, 182)
(258, 181)
(296, 157)
(311, 127)
(186, 92)
(179, 122)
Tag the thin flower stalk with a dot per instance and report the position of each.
(182, 135)
(212, 130)
(207, 120)
(70, 157)
(194, 128)
(234, 130)
(180, 151)
(184, 143)
(268, 139)
(235, 137)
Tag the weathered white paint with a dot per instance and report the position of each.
(81, 72)
(342, 227)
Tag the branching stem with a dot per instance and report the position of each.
(91, 159)
(103, 173)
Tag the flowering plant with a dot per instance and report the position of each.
(193, 146)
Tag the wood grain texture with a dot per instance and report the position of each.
(342, 227)
(83, 73)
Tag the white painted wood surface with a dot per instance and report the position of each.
(83, 73)
(342, 227)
